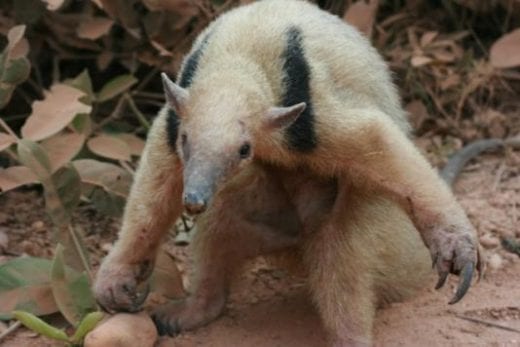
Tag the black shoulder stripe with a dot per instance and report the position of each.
(301, 135)
(185, 79)
(172, 128)
(192, 62)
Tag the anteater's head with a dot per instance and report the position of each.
(218, 132)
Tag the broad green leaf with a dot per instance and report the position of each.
(34, 157)
(83, 83)
(71, 292)
(36, 324)
(82, 124)
(107, 202)
(87, 324)
(68, 185)
(115, 87)
(25, 285)
(16, 71)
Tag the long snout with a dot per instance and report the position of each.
(194, 202)
(199, 186)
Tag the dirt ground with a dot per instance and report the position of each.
(269, 307)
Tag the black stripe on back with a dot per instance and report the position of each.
(172, 128)
(192, 62)
(186, 77)
(301, 135)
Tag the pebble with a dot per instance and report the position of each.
(495, 261)
(38, 226)
(489, 241)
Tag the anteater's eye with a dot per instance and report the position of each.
(245, 150)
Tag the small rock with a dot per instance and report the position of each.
(123, 330)
(495, 261)
(489, 241)
(38, 226)
(106, 247)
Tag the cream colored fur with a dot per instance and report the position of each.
(362, 142)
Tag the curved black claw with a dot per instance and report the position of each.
(465, 281)
(164, 328)
(442, 279)
(141, 297)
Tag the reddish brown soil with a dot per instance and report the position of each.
(268, 307)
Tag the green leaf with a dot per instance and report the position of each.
(71, 292)
(82, 124)
(68, 185)
(88, 323)
(83, 83)
(17, 71)
(115, 87)
(36, 324)
(34, 157)
(25, 285)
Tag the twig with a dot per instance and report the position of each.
(498, 175)
(114, 115)
(126, 166)
(9, 330)
(80, 251)
(146, 79)
(8, 129)
(149, 95)
(487, 323)
(140, 116)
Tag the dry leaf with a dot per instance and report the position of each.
(184, 8)
(110, 147)
(94, 27)
(133, 142)
(110, 177)
(505, 52)
(56, 111)
(361, 15)
(16, 176)
(6, 140)
(418, 113)
(62, 148)
(17, 46)
(53, 5)
(428, 38)
(420, 60)
(443, 56)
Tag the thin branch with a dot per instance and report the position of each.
(114, 115)
(487, 323)
(140, 116)
(127, 167)
(80, 251)
(9, 330)
(8, 129)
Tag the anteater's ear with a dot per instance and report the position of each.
(176, 96)
(281, 117)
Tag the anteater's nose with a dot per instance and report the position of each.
(194, 204)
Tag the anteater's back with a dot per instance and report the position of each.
(345, 70)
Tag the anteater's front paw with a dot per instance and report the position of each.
(455, 250)
(187, 314)
(116, 287)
